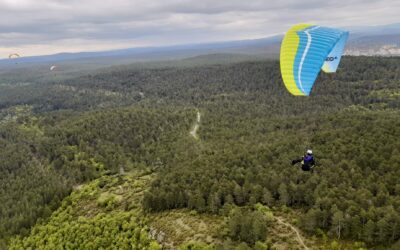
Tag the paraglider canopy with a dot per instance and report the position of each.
(53, 67)
(305, 50)
(14, 55)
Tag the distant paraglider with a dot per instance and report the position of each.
(305, 50)
(13, 56)
(53, 68)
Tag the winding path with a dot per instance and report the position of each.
(193, 132)
(299, 237)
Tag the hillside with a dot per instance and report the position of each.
(380, 40)
(109, 153)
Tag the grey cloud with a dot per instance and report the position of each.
(155, 22)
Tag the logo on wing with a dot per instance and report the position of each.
(331, 58)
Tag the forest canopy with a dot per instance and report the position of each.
(56, 135)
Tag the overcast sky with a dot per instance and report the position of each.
(36, 27)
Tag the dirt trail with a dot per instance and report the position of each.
(193, 132)
(299, 237)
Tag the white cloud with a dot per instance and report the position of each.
(46, 26)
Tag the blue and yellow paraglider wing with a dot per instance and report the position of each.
(333, 59)
(305, 50)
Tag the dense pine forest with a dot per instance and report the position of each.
(108, 153)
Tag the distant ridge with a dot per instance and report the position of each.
(370, 40)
